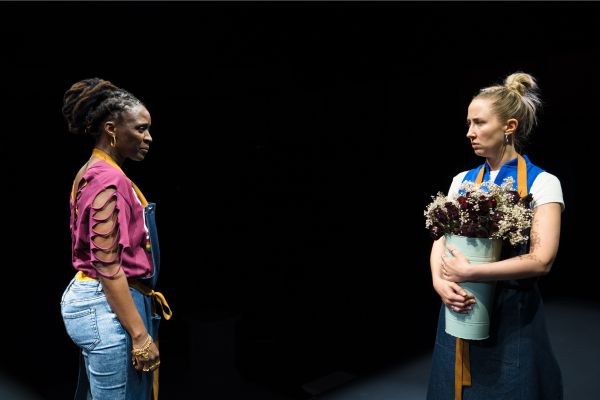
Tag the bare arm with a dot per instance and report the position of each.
(544, 240)
(120, 301)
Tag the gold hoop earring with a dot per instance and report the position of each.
(113, 141)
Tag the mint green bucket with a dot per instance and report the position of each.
(474, 325)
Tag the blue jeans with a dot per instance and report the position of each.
(106, 371)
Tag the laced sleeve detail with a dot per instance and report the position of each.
(108, 232)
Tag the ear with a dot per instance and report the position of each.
(110, 128)
(511, 126)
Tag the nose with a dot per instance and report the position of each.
(470, 132)
(147, 137)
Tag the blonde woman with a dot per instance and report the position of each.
(516, 362)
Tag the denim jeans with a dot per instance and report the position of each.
(106, 371)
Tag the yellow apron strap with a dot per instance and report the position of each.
(462, 368)
(159, 299)
(155, 378)
(479, 178)
(101, 154)
(521, 175)
(162, 302)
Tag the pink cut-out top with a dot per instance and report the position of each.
(112, 232)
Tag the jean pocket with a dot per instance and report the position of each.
(82, 328)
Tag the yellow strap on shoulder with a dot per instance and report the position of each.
(101, 154)
(521, 176)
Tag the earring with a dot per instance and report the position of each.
(506, 139)
(113, 141)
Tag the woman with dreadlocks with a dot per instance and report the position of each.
(109, 307)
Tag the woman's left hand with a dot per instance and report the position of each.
(455, 268)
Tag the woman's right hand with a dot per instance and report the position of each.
(454, 296)
(150, 360)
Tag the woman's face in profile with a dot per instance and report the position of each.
(133, 133)
(486, 132)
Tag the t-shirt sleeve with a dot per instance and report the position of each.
(545, 189)
(109, 217)
(456, 182)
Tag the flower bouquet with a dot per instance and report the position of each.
(476, 222)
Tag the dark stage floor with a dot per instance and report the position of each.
(573, 326)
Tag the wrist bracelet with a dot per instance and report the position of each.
(144, 351)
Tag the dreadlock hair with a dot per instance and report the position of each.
(90, 102)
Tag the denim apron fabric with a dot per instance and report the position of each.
(516, 362)
(104, 342)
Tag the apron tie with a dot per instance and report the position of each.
(158, 298)
(462, 368)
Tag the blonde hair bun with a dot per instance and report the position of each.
(521, 83)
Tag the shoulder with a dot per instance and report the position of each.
(105, 175)
(546, 178)
(101, 176)
(546, 188)
(456, 181)
(460, 176)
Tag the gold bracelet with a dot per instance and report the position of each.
(144, 351)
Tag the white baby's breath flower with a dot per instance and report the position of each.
(480, 209)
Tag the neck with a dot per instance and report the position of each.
(111, 152)
(506, 154)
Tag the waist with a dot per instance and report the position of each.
(133, 282)
(82, 276)
(519, 284)
(145, 290)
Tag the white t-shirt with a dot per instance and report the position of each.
(545, 188)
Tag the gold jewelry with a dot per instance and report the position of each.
(144, 351)
(152, 367)
(113, 141)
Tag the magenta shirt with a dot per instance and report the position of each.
(129, 213)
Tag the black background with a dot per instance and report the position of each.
(296, 146)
